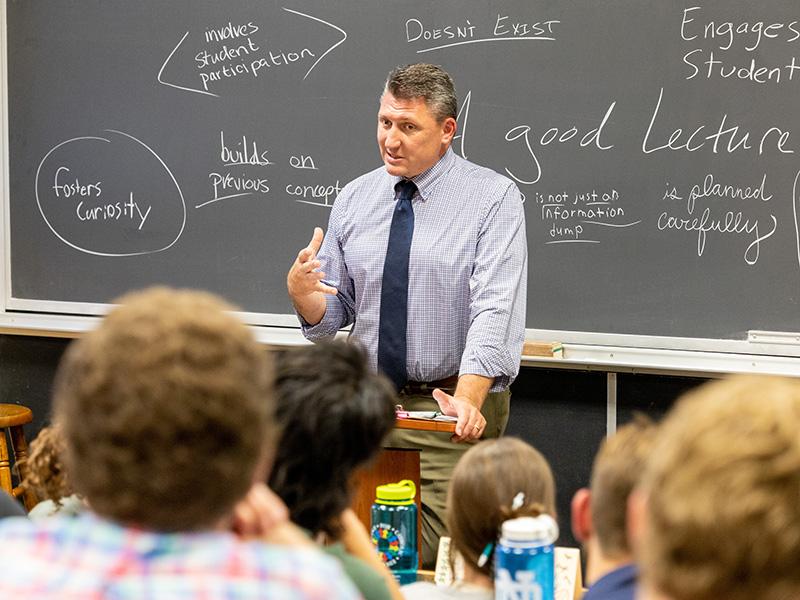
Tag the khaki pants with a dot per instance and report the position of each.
(439, 456)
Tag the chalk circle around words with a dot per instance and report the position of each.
(110, 194)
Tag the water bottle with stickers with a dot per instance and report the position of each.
(524, 559)
(394, 528)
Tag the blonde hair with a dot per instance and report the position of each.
(167, 411)
(483, 486)
(723, 494)
(617, 469)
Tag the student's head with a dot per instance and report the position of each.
(334, 413)
(45, 474)
(166, 411)
(600, 512)
(720, 501)
(483, 486)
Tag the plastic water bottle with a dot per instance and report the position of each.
(524, 565)
(394, 528)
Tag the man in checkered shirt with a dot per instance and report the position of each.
(466, 282)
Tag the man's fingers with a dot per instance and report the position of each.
(306, 277)
(310, 252)
(326, 289)
(309, 265)
(461, 425)
(475, 427)
(316, 240)
(318, 276)
(472, 431)
(304, 255)
(471, 422)
(445, 402)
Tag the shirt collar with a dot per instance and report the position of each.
(427, 180)
(618, 579)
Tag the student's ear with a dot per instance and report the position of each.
(581, 521)
(636, 515)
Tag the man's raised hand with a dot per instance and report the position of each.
(304, 278)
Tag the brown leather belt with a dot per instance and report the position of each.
(412, 388)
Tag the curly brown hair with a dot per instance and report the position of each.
(167, 411)
(45, 474)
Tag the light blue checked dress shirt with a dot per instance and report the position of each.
(467, 271)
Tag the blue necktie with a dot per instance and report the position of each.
(394, 289)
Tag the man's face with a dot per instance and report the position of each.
(409, 137)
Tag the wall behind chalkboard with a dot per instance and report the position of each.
(197, 143)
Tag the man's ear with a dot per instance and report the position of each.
(449, 127)
(636, 512)
(581, 521)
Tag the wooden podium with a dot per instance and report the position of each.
(391, 466)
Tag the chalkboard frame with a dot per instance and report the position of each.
(762, 352)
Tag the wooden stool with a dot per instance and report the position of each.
(13, 417)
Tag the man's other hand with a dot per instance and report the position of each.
(470, 423)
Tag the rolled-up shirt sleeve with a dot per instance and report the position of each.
(340, 309)
(498, 288)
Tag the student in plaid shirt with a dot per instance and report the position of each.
(167, 416)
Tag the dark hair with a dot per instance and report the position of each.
(430, 82)
(166, 411)
(334, 413)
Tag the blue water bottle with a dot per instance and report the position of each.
(394, 528)
(524, 568)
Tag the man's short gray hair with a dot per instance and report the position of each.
(430, 82)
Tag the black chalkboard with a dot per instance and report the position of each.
(197, 143)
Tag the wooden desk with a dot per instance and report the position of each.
(426, 425)
(390, 466)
